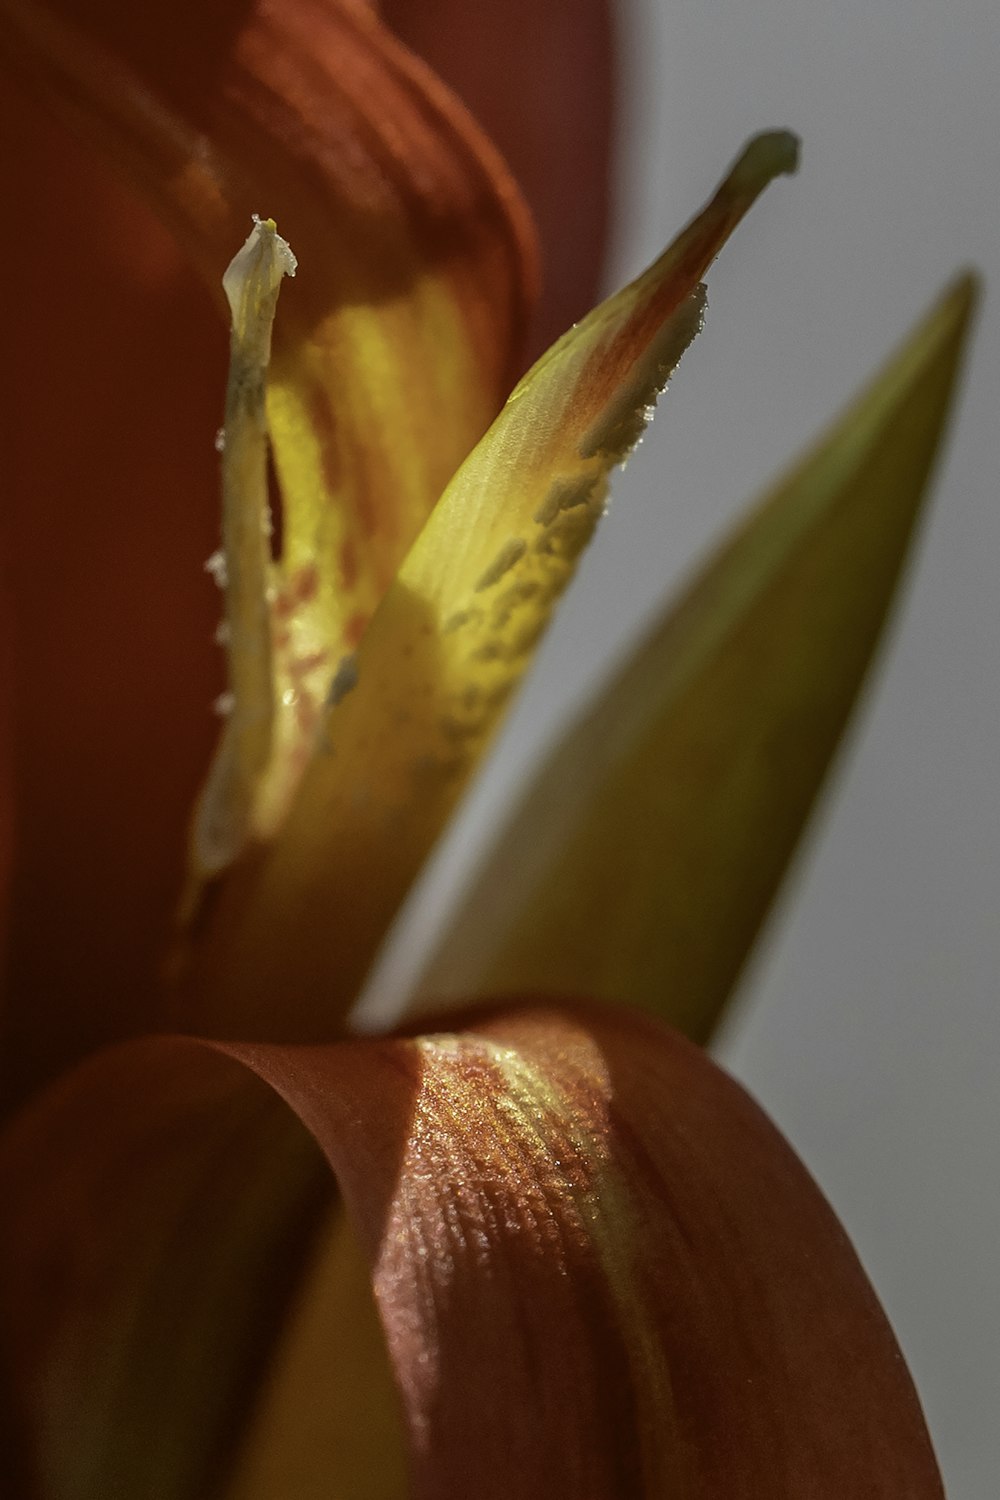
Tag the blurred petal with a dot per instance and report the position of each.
(646, 854)
(113, 369)
(407, 320)
(6, 743)
(293, 935)
(600, 1269)
(540, 80)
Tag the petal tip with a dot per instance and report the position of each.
(773, 153)
(256, 270)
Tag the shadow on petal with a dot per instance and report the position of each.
(114, 366)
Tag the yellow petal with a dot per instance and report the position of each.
(293, 935)
(645, 855)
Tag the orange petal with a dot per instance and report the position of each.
(602, 1272)
(6, 745)
(600, 1269)
(113, 368)
(540, 79)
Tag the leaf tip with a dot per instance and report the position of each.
(963, 295)
(943, 334)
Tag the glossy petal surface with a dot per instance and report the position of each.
(646, 855)
(411, 715)
(601, 1271)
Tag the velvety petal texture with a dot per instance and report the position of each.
(644, 857)
(600, 1270)
(293, 933)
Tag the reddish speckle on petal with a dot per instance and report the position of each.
(348, 563)
(355, 629)
(365, 506)
(301, 666)
(326, 434)
(305, 583)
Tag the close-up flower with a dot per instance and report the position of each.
(530, 1239)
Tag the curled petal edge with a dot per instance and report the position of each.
(598, 1266)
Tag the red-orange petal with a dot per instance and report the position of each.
(601, 1271)
(6, 743)
(541, 80)
(113, 368)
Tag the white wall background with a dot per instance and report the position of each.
(870, 1026)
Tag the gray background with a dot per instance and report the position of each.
(869, 1027)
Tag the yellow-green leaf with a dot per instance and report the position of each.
(409, 717)
(644, 857)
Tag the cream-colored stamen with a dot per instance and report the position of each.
(223, 817)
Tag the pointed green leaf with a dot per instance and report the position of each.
(645, 856)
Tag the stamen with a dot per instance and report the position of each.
(243, 565)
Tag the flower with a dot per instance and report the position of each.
(599, 1269)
